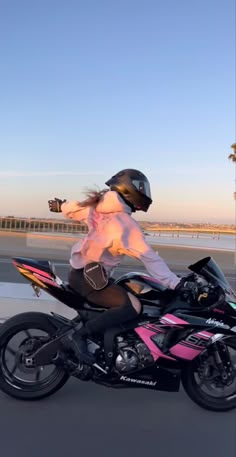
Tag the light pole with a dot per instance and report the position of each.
(232, 157)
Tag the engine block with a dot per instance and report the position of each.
(132, 357)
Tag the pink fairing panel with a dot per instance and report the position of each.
(184, 352)
(146, 335)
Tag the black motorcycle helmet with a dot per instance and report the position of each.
(134, 188)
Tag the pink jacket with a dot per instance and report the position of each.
(112, 234)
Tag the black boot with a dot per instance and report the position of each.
(77, 342)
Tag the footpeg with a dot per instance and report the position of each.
(83, 372)
(95, 365)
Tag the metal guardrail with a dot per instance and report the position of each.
(17, 224)
(12, 224)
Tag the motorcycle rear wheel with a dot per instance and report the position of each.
(14, 384)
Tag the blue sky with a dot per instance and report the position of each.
(89, 87)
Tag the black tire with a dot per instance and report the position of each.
(201, 398)
(21, 391)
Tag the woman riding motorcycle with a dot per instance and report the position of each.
(112, 234)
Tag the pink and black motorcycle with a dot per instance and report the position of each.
(175, 341)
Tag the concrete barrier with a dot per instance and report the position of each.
(17, 298)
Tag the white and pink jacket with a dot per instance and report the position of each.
(112, 234)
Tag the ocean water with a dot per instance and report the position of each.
(203, 240)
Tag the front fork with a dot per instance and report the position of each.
(222, 360)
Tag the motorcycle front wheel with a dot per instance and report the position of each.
(204, 384)
(20, 335)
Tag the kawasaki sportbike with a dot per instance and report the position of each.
(175, 340)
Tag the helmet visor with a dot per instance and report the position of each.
(143, 187)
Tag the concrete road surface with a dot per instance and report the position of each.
(87, 420)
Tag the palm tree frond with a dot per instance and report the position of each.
(232, 157)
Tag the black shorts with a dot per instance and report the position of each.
(111, 296)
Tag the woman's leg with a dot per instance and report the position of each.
(121, 306)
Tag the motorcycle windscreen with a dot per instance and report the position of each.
(210, 269)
